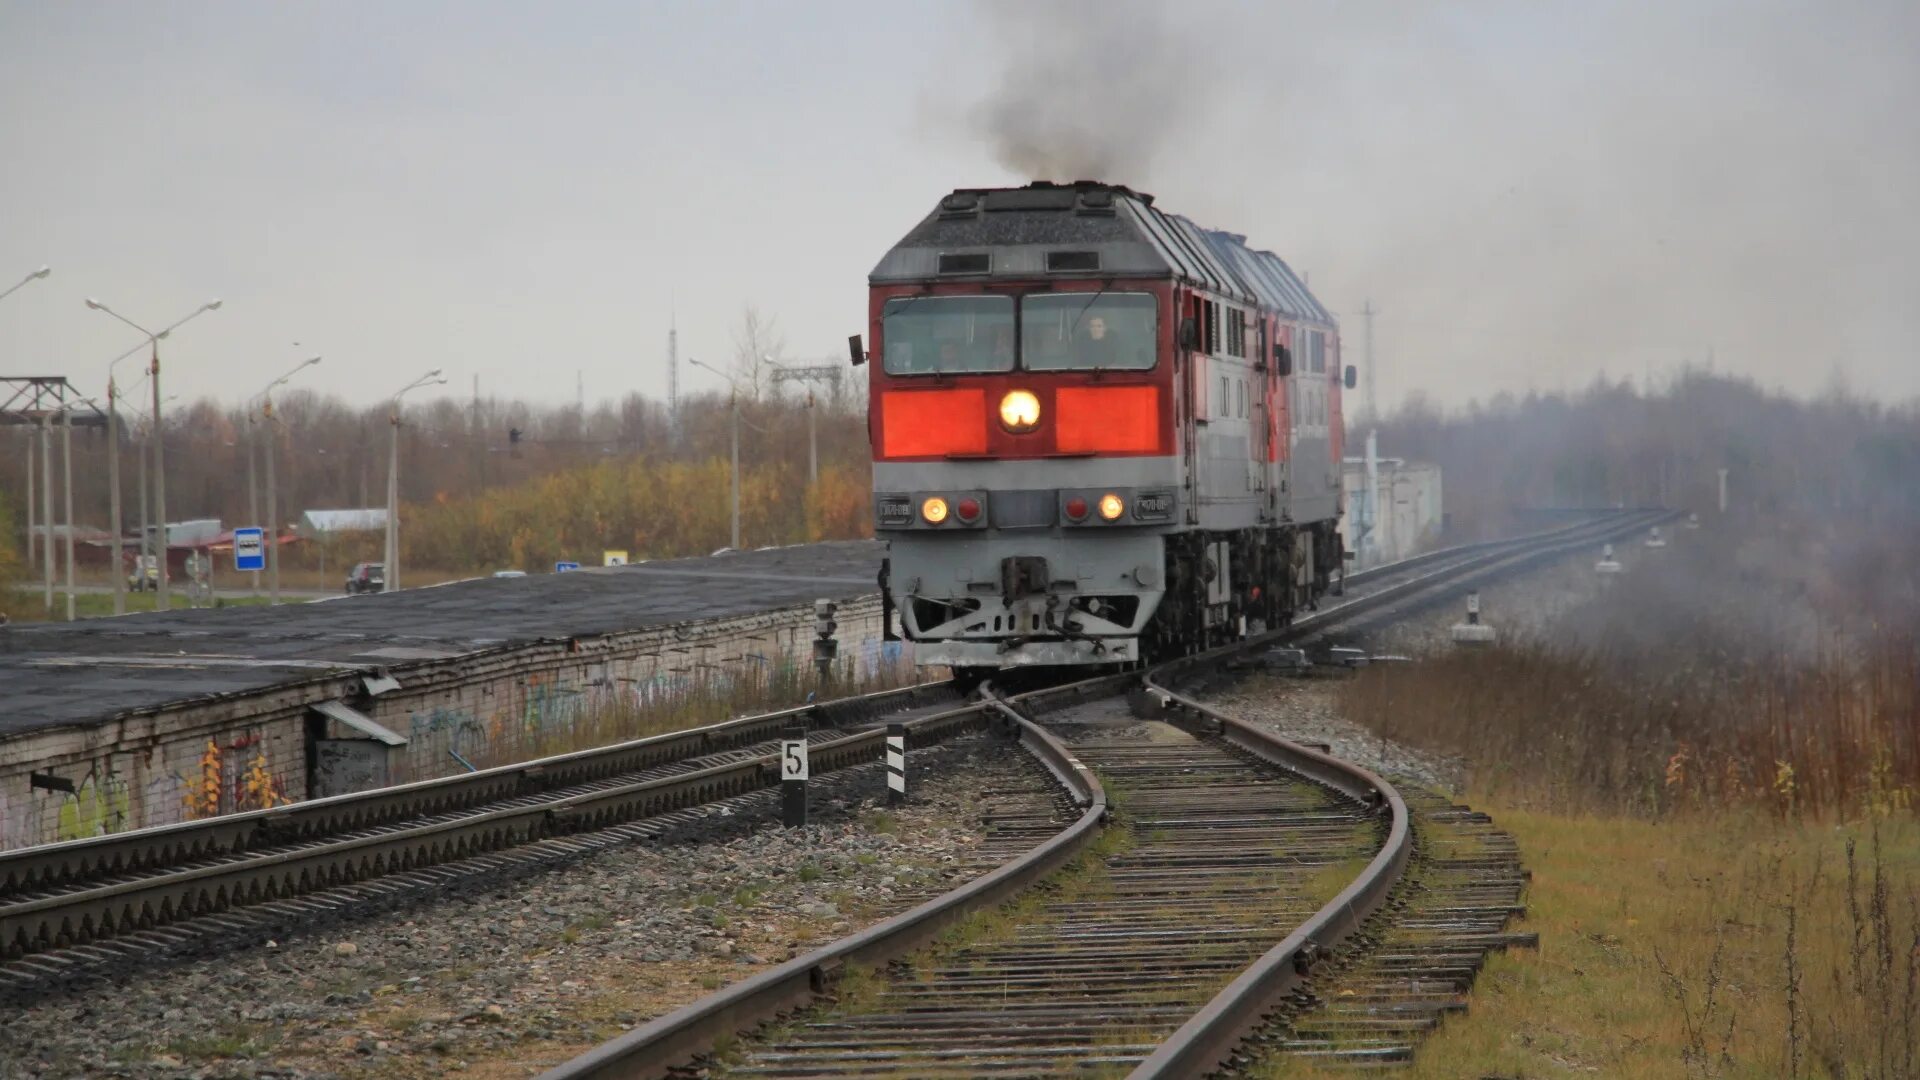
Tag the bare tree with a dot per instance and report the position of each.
(756, 340)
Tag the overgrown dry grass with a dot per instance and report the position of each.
(1711, 771)
(1688, 685)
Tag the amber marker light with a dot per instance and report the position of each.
(1112, 506)
(1020, 411)
(934, 510)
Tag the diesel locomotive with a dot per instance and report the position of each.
(1101, 433)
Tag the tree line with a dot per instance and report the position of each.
(488, 481)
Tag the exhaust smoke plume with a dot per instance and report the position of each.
(1533, 194)
(1084, 92)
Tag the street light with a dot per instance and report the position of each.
(146, 440)
(431, 378)
(35, 276)
(733, 403)
(113, 465)
(159, 444)
(273, 528)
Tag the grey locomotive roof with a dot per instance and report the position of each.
(1017, 229)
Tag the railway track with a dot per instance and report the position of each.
(1228, 868)
(65, 907)
(1211, 855)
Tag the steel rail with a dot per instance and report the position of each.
(657, 1047)
(1207, 1040)
(46, 865)
(653, 1048)
(34, 923)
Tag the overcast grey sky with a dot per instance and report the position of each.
(1530, 193)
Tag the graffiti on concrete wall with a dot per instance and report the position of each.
(98, 805)
(228, 780)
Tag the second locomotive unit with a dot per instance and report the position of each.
(1101, 433)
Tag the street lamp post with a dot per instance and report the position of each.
(35, 276)
(272, 526)
(159, 444)
(392, 582)
(733, 405)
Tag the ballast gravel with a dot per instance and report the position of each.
(1305, 709)
(511, 980)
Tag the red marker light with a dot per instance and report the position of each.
(1077, 508)
(968, 509)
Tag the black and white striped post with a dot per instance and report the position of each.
(793, 777)
(896, 764)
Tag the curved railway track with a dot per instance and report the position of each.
(1197, 911)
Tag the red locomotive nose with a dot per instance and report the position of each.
(1076, 508)
(968, 509)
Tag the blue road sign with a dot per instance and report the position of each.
(249, 549)
(563, 567)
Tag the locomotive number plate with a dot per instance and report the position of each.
(1153, 505)
(894, 511)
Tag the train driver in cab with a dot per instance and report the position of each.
(1096, 349)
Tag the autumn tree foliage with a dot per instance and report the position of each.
(487, 483)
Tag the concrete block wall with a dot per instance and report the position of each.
(509, 715)
(180, 768)
(145, 770)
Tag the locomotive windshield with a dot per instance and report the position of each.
(1083, 331)
(926, 334)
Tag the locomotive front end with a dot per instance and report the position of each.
(1025, 471)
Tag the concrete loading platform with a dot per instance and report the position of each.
(149, 719)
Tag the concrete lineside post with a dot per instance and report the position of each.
(793, 777)
(896, 764)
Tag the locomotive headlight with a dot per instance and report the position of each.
(1112, 506)
(934, 510)
(1020, 411)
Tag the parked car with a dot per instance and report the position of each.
(367, 577)
(145, 575)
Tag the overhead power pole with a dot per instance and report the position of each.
(673, 377)
(823, 373)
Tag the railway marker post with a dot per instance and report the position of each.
(1607, 564)
(896, 764)
(793, 777)
(1473, 631)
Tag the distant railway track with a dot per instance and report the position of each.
(1167, 949)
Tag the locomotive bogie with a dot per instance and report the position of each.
(1011, 601)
